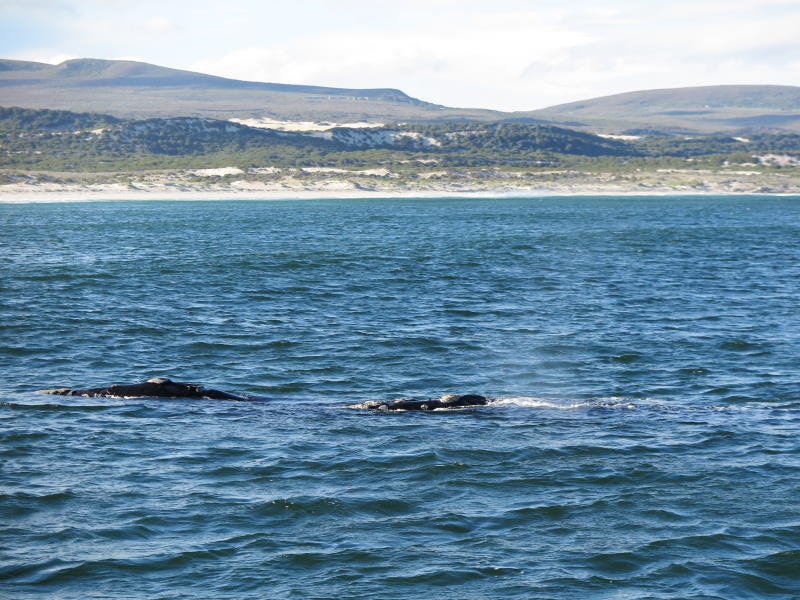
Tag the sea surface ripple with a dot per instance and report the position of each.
(641, 355)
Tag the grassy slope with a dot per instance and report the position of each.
(715, 109)
(129, 89)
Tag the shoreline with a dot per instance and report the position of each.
(172, 186)
(80, 196)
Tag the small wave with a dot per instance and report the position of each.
(21, 504)
(56, 406)
(740, 345)
(60, 571)
(441, 576)
(617, 564)
(47, 498)
(21, 437)
(627, 358)
(779, 568)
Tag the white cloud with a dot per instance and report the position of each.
(160, 25)
(512, 57)
(44, 55)
(473, 62)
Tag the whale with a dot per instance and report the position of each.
(161, 387)
(448, 401)
(157, 387)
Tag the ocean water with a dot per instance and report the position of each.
(642, 354)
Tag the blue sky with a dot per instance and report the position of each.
(503, 54)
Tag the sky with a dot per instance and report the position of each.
(498, 54)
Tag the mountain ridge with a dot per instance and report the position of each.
(110, 72)
(131, 89)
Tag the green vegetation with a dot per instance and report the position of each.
(64, 141)
(721, 145)
(514, 141)
(38, 143)
(15, 118)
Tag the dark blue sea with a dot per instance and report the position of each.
(642, 356)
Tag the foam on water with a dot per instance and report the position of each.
(532, 402)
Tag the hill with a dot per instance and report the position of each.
(739, 109)
(135, 90)
(70, 152)
(62, 140)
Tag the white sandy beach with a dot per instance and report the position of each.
(310, 183)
